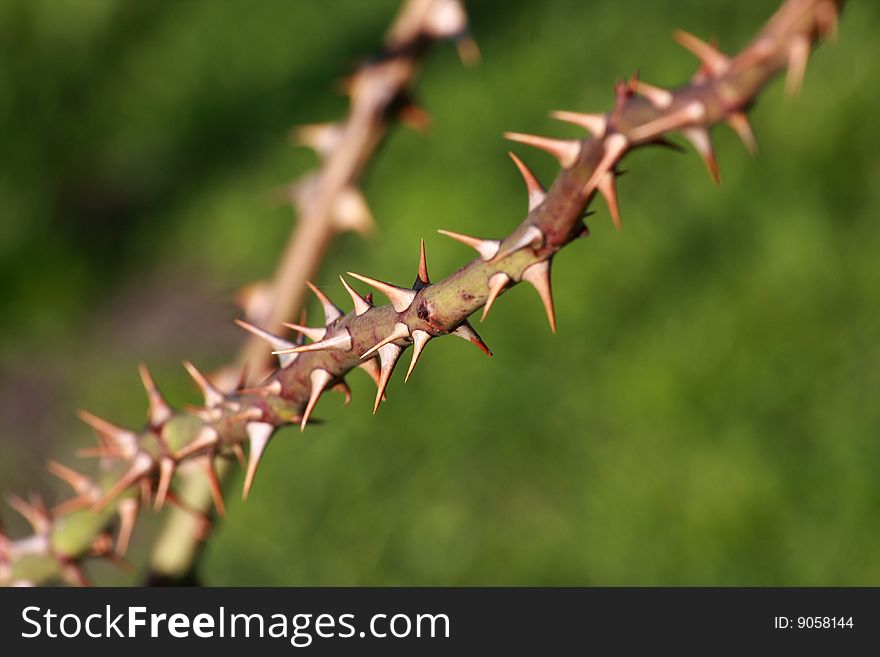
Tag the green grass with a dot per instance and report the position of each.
(707, 414)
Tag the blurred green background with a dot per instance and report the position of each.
(708, 413)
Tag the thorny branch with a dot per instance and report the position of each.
(374, 337)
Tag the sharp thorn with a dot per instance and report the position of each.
(420, 339)
(388, 355)
(607, 187)
(798, 54)
(594, 123)
(80, 483)
(319, 378)
(535, 189)
(128, 512)
(714, 61)
(467, 332)
(400, 332)
(160, 411)
(497, 283)
(314, 333)
(740, 124)
(422, 278)
(331, 312)
(166, 473)
(278, 343)
(360, 304)
(258, 434)
(120, 441)
(400, 298)
(702, 142)
(213, 397)
(486, 248)
(566, 151)
(658, 97)
(339, 342)
(538, 275)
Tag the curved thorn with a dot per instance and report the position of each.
(798, 54)
(400, 298)
(213, 397)
(278, 343)
(566, 151)
(486, 248)
(319, 379)
(538, 275)
(314, 333)
(258, 434)
(166, 473)
(128, 512)
(339, 342)
(388, 355)
(116, 439)
(535, 189)
(740, 124)
(467, 332)
(420, 339)
(331, 312)
(497, 283)
(658, 97)
(360, 304)
(160, 411)
(607, 187)
(80, 483)
(702, 143)
(422, 278)
(714, 61)
(400, 331)
(594, 123)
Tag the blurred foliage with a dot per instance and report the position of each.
(707, 414)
